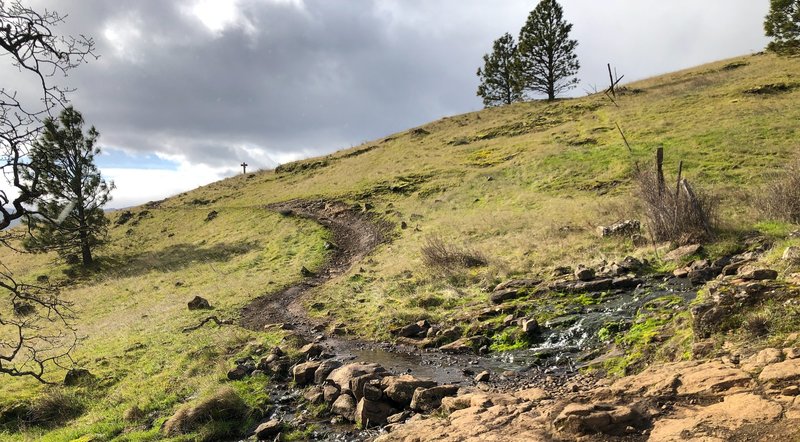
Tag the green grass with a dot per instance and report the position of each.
(525, 185)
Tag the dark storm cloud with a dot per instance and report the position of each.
(289, 78)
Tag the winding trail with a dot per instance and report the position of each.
(353, 235)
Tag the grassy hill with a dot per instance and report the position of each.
(523, 186)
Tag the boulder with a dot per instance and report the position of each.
(311, 351)
(762, 359)
(781, 372)
(239, 372)
(325, 368)
(400, 389)
(78, 376)
(465, 345)
(504, 295)
(415, 330)
(303, 374)
(752, 272)
(345, 406)
(199, 303)
(372, 413)
(518, 284)
(529, 326)
(429, 399)
(626, 227)
(330, 392)
(577, 418)
(683, 252)
(584, 273)
(357, 383)
(483, 376)
(268, 430)
(343, 375)
(372, 390)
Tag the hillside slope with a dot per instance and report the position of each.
(521, 187)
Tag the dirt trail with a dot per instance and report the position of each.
(354, 235)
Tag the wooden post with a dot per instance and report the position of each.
(244, 167)
(660, 169)
(678, 184)
(611, 79)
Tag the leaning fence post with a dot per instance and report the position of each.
(660, 169)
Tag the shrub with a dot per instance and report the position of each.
(437, 255)
(54, 408)
(780, 198)
(218, 416)
(677, 215)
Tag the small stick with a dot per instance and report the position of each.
(205, 321)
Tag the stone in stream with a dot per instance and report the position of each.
(357, 383)
(529, 326)
(325, 369)
(429, 399)
(483, 376)
(345, 406)
(268, 430)
(400, 389)
(303, 374)
(372, 413)
(330, 392)
(314, 395)
(465, 345)
(343, 375)
(311, 351)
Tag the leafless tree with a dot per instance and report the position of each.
(35, 324)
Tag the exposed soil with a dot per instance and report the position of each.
(354, 234)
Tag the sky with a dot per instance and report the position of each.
(186, 90)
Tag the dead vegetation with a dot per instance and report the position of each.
(224, 406)
(441, 257)
(780, 198)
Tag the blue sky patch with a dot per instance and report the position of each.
(120, 159)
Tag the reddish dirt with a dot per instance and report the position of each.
(354, 234)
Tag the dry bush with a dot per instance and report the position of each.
(680, 216)
(780, 198)
(223, 406)
(438, 255)
(757, 326)
(54, 408)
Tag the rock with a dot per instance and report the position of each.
(682, 272)
(717, 422)
(372, 413)
(707, 317)
(325, 369)
(303, 374)
(519, 284)
(562, 271)
(211, 215)
(343, 375)
(345, 406)
(483, 376)
(596, 418)
(791, 254)
(465, 345)
(622, 228)
(268, 430)
(631, 264)
(791, 353)
(314, 395)
(625, 282)
(358, 383)
(239, 372)
(311, 351)
(429, 399)
(691, 378)
(400, 389)
(199, 303)
(529, 326)
(509, 320)
(732, 268)
(372, 390)
(683, 252)
(398, 417)
(78, 376)
(504, 295)
(752, 272)
(584, 273)
(415, 330)
(792, 390)
(781, 372)
(762, 359)
(597, 285)
(305, 273)
(330, 392)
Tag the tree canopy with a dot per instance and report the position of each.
(69, 213)
(783, 25)
(500, 76)
(547, 54)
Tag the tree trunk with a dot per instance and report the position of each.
(86, 251)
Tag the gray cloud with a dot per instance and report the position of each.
(287, 80)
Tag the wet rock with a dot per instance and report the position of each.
(268, 430)
(631, 264)
(429, 399)
(584, 273)
(597, 285)
(529, 326)
(483, 376)
(78, 376)
(465, 345)
(343, 375)
(303, 374)
(683, 252)
(372, 413)
(325, 369)
(625, 282)
(199, 303)
(345, 406)
(626, 227)
(400, 389)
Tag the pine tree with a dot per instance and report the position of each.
(546, 52)
(500, 75)
(783, 25)
(69, 216)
